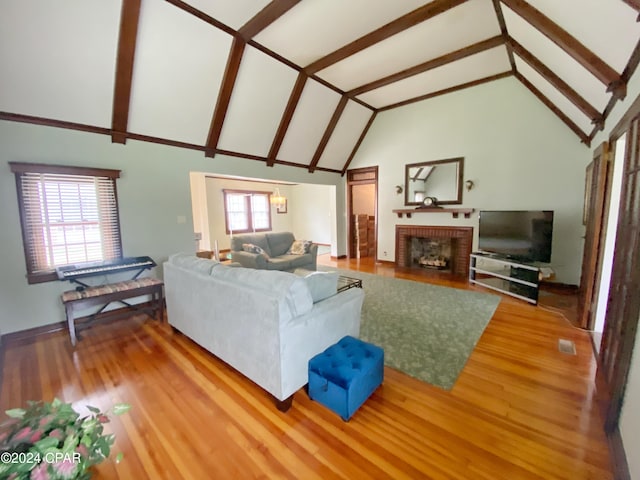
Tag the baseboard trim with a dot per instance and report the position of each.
(386, 262)
(339, 257)
(618, 456)
(31, 334)
(566, 287)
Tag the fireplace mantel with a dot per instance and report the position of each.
(453, 211)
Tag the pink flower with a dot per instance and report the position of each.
(37, 435)
(57, 433)
(22, 434)
(40, 472)
(44, 421)
(66, 468)
(82, 450)
(103, 418)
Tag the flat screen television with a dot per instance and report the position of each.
(523, 235)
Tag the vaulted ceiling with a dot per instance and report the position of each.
(299, 82)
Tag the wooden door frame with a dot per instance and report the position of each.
(611, 394)
(350, 183)
(597, 197)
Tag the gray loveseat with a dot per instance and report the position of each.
(275, 245)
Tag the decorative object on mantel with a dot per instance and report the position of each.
(455, 212)
(429, 202)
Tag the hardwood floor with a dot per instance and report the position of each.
(519, 410)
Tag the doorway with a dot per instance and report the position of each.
(362, 208)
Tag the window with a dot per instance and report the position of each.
(247, 211)
(69, 215)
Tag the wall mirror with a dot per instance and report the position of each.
(439, 179)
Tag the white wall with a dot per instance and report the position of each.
(154, 197)
(311, 213)
(517, 152)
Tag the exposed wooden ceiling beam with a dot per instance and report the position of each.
(568, 43)
(583, 136)
(129, 16)
(628, 72)
(409, 20)
(358, 143)
(266, 17)
(635, 4)
(447, 90)
(429, 65)
(285, 121)
(202, 16)
(328, 132)
(224, 95)
(505, 33)
(575, 98)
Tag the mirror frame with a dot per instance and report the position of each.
(460, 175)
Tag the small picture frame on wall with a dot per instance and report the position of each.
(282, 208)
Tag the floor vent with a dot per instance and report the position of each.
(566, 346)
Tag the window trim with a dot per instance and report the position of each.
(21, 168)
(250, 229)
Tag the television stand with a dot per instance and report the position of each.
(517, 279)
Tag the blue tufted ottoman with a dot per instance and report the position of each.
(345, 375)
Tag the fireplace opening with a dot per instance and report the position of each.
(443, 248)
(431, 253)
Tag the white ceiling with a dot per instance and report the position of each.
(276, 96)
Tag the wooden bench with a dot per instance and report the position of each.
(112, 292)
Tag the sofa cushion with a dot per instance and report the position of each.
(191, 262)
(322, 284)
(291, 288)
(299, 247)
(258, 239)
(283, 262)
(251, 248)
(279, 242)
(295, 261)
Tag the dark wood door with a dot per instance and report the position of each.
(596, 181)
(623, 308)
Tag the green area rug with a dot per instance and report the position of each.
(427, 331)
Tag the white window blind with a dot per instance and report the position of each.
(67, 218)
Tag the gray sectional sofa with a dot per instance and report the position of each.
(275, 257)
(265, 324)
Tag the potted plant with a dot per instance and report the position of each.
(50, 440)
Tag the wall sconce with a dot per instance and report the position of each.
(469, 184)
(398, 189)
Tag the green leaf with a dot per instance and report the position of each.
(119, 457)
(120, 408)
(46, 443)
(93, 409)
(15, 412)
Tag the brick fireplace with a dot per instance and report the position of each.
(457, 243)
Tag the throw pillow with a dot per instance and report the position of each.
(251, 248)
(322, 285)
(299, 247)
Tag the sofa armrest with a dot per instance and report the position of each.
(313, 251)
(250, 260)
